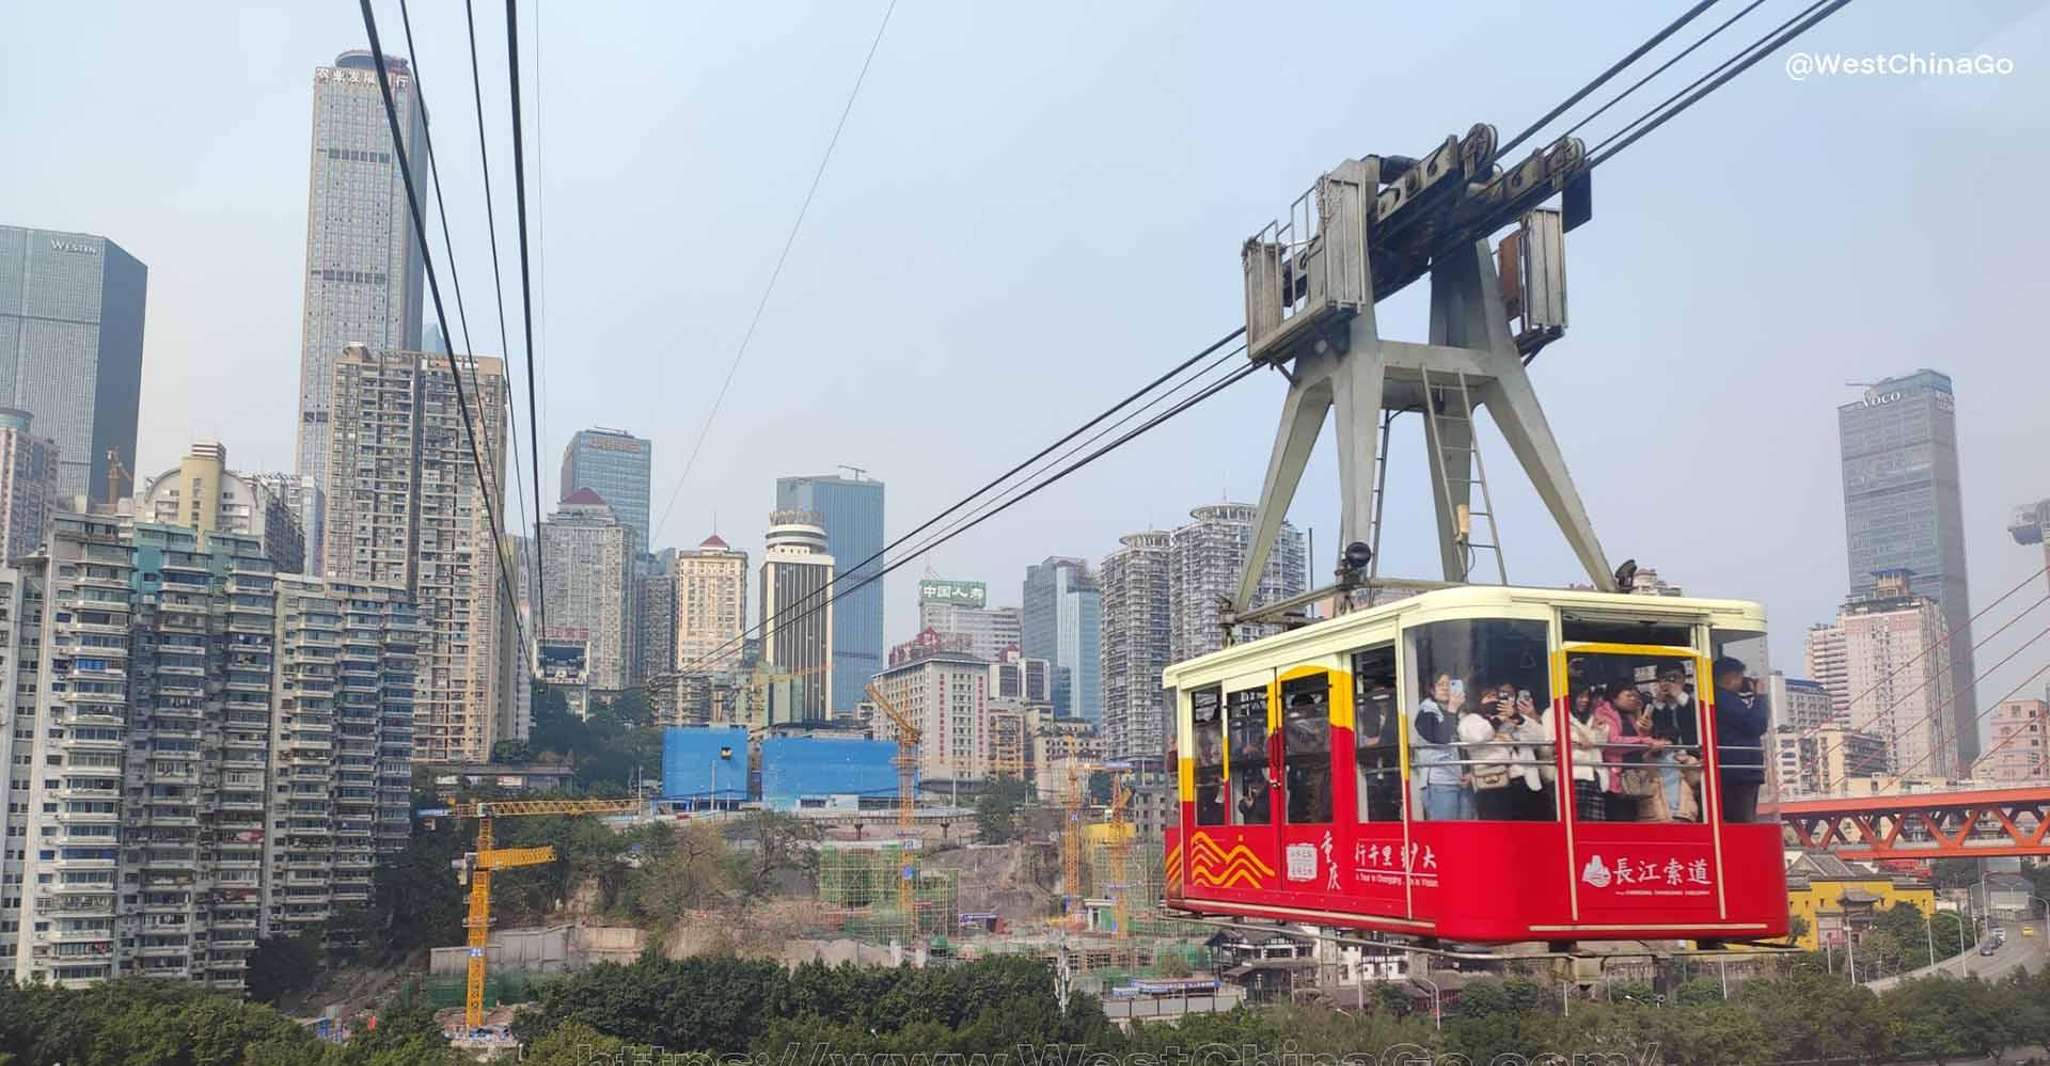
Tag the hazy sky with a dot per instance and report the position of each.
(1036, 207)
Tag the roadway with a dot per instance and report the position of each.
(2019, 951)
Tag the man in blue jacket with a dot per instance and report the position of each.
(1741, 717)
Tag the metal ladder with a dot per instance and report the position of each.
(1379, 504)
(1466, 460)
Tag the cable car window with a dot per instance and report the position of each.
(1246, 722)
(1743, 717)
(1480, 721)
(1377, 758)
(1597, 627)
(1206, 706)
(1306, 748)
(1635, 738)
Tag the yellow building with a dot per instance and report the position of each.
(1835, 899)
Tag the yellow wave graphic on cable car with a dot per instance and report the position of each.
(1211, 865)
(1173, 867)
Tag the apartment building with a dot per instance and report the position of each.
(406, 508)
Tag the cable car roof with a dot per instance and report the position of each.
(1333, 635)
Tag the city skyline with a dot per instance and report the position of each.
(204, 338)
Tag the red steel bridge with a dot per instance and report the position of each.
(1924, 825)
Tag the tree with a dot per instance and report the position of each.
(1954, 873)
(996, 810)
(512, 750)
(283, 965)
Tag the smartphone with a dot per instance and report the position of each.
(1523, 694)
(1458, 691)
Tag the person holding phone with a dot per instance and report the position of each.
(1741, 717)
(1440, 781)
(1488, 733)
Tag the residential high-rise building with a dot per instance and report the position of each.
(363, 264)
(946, 694)
(1896, 672)
(180, 783)
(1137, 645)
(798, 613)
(1824, 762)
(851, 511)
(960, 611)
(1063, 615)
(71, 310)
(1208, 554)
(1903, 511)
(587, 562)
(614, 464)
(2020, 750)
(202, 493)
(304, 497)
(1799, 703)
(1826, 665)
(406, 507)
(341, 738)
(28, 485)
(655, 615)
(711, 607)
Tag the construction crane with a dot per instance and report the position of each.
(906, 761)
(1120, 832)
(1071, 831)
(117, 472)
(476, 867)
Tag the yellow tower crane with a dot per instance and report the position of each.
(906, 761)
(1072, 830)
(476, 868)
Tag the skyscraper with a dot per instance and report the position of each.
(1903, 511)
(614, 464)
(711, 607)
(851, 509)
(1208, 554)
(587, 559)
(1063, 607)
(406, 508)
(1137, 619)
(28, 485)
(363, 265)
(71, 347)
(798, 615)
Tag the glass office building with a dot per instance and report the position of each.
(614, 464)
(852, 511)
(1063, 607)
(71, 347)
(1903, 511)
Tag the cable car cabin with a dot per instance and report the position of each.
(1485, 765)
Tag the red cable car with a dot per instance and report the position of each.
(1485, 765)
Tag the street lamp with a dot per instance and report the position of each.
(1437, 1013)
